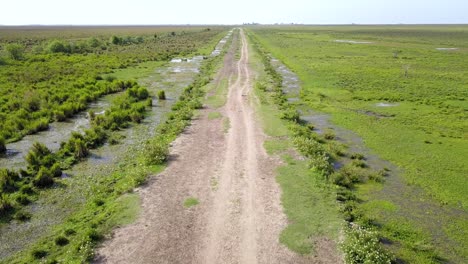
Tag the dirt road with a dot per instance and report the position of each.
(239, 216)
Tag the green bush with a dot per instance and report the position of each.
(308, 147)
(363, 246)
(61, 241)
(290, 114)
(56, 171)
(22, 199)
(43, 178)
(156, 151)
(329, 134)
(8, 180)
(15, 51)
(22, 216)
(357, 156)
(5, 205)
(161, 95)
(38, 156)
(58, 46)
(322, 164)
(39, 253)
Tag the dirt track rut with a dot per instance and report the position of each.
(239, 217)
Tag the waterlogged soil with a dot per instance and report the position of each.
(57, 132)
(179, 70)
(56, 204)
(410, 201)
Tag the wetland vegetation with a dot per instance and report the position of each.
(52, 179)
(406, 98)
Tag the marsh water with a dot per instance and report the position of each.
(57, 203)
(411, 201)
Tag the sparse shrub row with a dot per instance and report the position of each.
(18, 188)
(362, 244)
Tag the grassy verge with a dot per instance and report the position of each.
(111, 202)
(308, 200)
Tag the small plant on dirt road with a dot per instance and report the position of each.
(189, 202)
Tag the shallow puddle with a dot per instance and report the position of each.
(353, 41)
(447, 49)
(383, 104)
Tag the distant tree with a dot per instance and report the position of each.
(57, 46)
(173, 33)
(93, 42)
(15, 51)
(116, 40)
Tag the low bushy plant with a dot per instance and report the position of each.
(362, 246)
(161, 95)
(156, 151)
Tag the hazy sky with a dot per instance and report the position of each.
(85, 12)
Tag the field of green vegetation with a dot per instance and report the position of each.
(403, 90)
(48, 74)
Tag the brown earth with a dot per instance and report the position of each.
(239, 217)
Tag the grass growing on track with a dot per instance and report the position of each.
(214, 115)
(308, 202)
(190, 202)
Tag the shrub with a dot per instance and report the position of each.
(39, 155)
(58, 46)
(357, 156)
(26, 189)
(43, 178)
(362, 246)
(55, 170)
(290, 114)
(8, 180)
(110, 78)
(149, 102)
(60, 115)
(94, 236)
(15, 51)
(39, 253)
(329, 134)
(378, 176)
(22, 216)
(2, 145)
(161, 95)
(359, 163)
(321, 163)
(116, 40)
(156, 151)
(70, 232)
(61, 241)
(5, 205)
(142, 93)
(308, 147)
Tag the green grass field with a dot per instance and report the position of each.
(406, 97)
